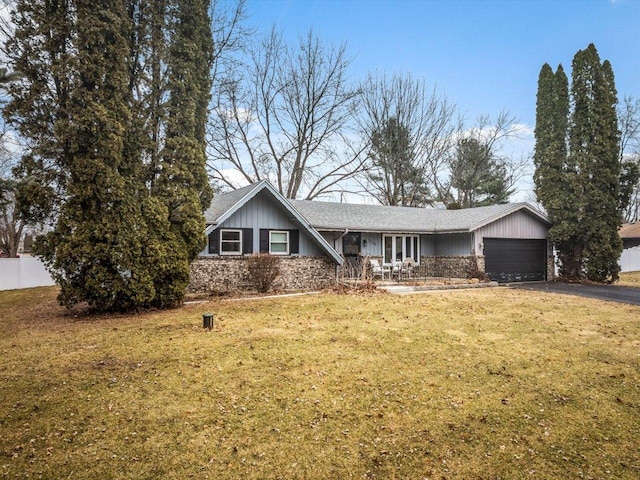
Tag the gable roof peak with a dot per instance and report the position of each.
(224, 205)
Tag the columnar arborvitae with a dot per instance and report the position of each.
(182, 184)
(595, 148)
(580, 186)
(118, 169)
(556, 182)
(95, 250)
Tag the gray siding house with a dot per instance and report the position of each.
(314, 239)
(630, 257)
(258, 219)
(508, 242)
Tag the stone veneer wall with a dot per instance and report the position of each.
(451, 266)
(222, 274)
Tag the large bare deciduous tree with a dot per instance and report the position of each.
(12, 223)
(629, 125)
(286, 118)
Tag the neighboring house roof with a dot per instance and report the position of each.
(630, 230)
(224, 205)
(378, 218)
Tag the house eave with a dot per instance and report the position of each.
(393, 230)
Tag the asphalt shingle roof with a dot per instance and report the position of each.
(378, 218)
(224, 201)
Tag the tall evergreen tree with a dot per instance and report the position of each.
(182, 182)
(95, 249)
(582, 188)
(478, 178)
(594, 142)
(117, 151)
(556, 181)
(392, 175)
(550, 156)
(40, 49)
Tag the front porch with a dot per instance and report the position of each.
(430, 269)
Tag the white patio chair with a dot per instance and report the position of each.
(377, 270)
(396, 268)
(407, 266)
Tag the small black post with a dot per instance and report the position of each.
(207, 320)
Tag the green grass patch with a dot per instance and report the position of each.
(490, 383)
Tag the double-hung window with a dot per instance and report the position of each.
(279, 242)
(231, 242)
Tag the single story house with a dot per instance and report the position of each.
(630, 258)
(315, 239)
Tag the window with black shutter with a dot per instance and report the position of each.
(247, 241)
(294, 242)
(280, 242)
(214, 240)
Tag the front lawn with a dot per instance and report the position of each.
(629, 279)
(490, 383)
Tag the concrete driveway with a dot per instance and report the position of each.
(610, 293)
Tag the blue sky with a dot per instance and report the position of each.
(484, 54)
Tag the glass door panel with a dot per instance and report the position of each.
(398, 253)
(388, 249)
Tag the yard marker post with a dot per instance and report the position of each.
(207, 320)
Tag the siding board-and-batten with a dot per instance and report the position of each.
(261, 213)
(517, 225)
(446, 244)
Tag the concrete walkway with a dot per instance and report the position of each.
(390, 287)
(399, 289)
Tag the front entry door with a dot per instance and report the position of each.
(351, 244)
(351, 252)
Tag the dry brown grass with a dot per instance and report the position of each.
(629, 279)
(490, 383)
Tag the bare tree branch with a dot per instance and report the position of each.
(629, 125)
(428, 118)
(473, 171)
(284, 119)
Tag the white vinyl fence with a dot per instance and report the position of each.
(23, 272)
(630, 259)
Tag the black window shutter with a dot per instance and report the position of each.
(264, 241)
(247, 240)
(214, 241)
(294, 242)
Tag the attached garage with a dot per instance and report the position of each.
(515, 247)
(515, 259)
